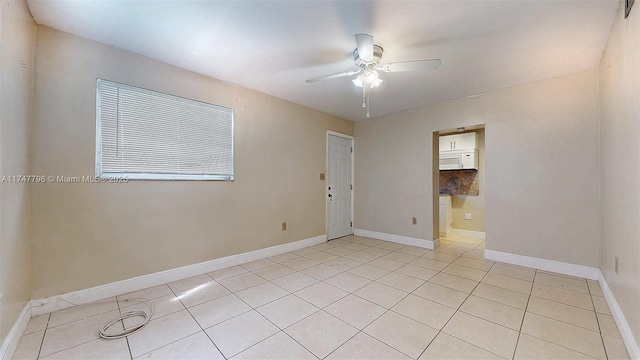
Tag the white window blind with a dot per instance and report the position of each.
(143, 134)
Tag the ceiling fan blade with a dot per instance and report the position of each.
(417, 65)
(364, 43)
(333, 76)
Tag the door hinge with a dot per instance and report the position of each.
(351, 186)
(352, 149)
(352, 224)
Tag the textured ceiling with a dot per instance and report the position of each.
(273, 46)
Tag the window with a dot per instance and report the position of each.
(143, 134)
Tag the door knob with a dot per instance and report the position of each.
(330, 197)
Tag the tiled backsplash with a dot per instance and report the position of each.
(459, 182)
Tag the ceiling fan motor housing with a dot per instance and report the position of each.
(377, 56)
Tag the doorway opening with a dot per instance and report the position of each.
(459, 187)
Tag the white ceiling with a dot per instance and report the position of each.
(274, 46)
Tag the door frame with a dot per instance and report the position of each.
(436, 173)
(326, 188)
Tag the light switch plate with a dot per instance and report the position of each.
(467, 216)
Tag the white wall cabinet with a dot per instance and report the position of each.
(466, 141)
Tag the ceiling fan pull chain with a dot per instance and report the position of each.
(368, 94)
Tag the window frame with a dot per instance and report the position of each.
(157, 176)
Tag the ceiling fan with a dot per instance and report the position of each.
(367, 58)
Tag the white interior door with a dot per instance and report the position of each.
(339, 187)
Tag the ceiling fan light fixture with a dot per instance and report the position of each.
(369, 77)
(359, 80)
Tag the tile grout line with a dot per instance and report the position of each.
(255, 309)
(560, 345)
(458, 310)
(563, 288)
(358, 332)
(289, 293)
(194, 319)
(287, 334)
(445, 324)
(391, 346)
(351, 293)
(84, 318)
(315, 312)
(77, 306)
(122, 321)
(562, 303)
(70, 347)
(577, 307)
(270, 336)
(598, 322)
(524, 314)
(46, 327)
(562, 321)
(493, 301)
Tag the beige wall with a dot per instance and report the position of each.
(542, 165)
(620, 151)
(85, 235)
(474, 205)
(17, 35)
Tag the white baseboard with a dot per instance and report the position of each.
(10, 343)
(621, 321)
(429, 244)
(583, 272)
(470, 233)
(544, 264)
(85, 296)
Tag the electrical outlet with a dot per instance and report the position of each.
(468, 216)
(284, 226)
(616, 264)
(414, 221)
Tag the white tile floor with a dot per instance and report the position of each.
(350, 298)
